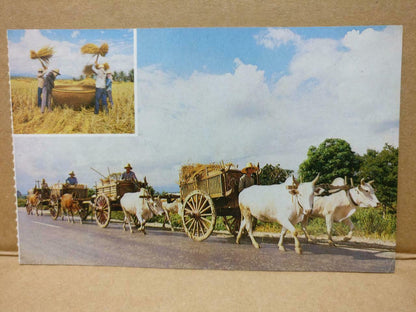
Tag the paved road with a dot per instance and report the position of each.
(45, 241)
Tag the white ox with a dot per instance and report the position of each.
(142, 206)
(276, 203)
(173, 207)
(340, 206)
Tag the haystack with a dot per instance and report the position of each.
(192, 172)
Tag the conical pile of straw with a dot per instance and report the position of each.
(43, 55)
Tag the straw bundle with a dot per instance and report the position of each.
(193, 172)
(106, 66)
(87, 71)
(44, 54)
(103, 50)
(90, 48)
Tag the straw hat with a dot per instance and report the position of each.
(72, 173)
(108, 72)
(40, 70)
(56, 71)
(128, 166)
(248, 166)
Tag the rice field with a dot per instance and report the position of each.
(27, 118)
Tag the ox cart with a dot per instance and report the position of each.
(108, 194)
(209, 195)
(79, 193)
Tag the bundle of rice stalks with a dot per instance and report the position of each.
(90, 48)
(87, 71)
(44, 54)
(106, 66)
(192, 172)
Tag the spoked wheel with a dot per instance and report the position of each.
(54, 209)
(102, 210)
(84, 211)
(232, 224)
(198, 215)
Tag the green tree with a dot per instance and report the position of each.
(331, 159)
(273, 174)
(121, 76)
(115, 76)
(382, 167)
(131, 75)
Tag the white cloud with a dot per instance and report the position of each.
(348, 88)
(75, 34)
(275, 37)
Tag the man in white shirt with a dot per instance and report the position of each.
(100, 88)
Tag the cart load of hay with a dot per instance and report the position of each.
(194, 172)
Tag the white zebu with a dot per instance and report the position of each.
(140, 204)
(276, 203)
(340, 206)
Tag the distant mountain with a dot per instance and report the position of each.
(19, 194)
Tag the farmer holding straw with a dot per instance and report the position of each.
(100, 88)
(48, 85)
(41, 81)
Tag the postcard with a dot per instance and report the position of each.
(261, 149)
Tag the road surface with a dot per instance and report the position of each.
(45, 241)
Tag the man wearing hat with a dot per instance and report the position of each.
(41, 82)
(247, 179)
(48, 85)
(72, 180)
(129, 175)
(100, 88)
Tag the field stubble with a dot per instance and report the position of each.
(27, 117)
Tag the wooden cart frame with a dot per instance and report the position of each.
(79, 193)
(207, 198)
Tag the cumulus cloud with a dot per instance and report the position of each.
(348, 88)
(275, 37)
(75, 34)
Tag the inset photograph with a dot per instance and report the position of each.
(67, 81)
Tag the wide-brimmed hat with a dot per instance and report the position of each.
(248, 166)
(40, 70)
(128, 166)
(108, 72)
(56, 71)
(71, 173)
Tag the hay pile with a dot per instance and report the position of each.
(194, 172)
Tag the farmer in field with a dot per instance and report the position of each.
(48, 85)
(72, 180)
(109, 86)
(247, 178)
(41, 82)
(100, 88)
(129, 175)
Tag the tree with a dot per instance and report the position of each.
(331, 159)
(382, 167)
(121, 76)
(273, 174)
(115, 76)
(131, 75)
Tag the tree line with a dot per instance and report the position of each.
(119, 76)
(334, 158)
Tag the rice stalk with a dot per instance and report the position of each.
(90, 48)
(103, 50)
(44, 54)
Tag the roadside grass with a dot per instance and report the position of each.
(27, 117)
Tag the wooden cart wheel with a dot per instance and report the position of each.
(84, 211)
(54, 209)
(198, 215)
(232, 224)
(102, 210)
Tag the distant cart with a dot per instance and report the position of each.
(213, 195)
(79, 193)
(108, 195)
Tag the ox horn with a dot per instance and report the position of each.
(315, 180)
(371, 182)
(294, 181)
(362, 181)
(352, 182)
(345, 180)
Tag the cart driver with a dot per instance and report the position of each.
(247, 178)
(72, 180)
(129, 175)
(44, 185)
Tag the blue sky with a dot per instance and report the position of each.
(212, 50)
